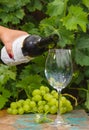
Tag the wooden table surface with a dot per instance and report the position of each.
(78, 119)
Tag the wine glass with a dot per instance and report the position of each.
(58, 71)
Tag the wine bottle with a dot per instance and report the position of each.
(35, 45)
(26, 47)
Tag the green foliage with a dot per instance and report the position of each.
(82, 51)
(12, 11)
(75, 17)
(32, 76)
(87, 97)
(54, 25)
(57, 6)
(6, 73)
(34, 4)
(86, 3)
(70, 20)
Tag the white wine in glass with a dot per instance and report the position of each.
(58, 71)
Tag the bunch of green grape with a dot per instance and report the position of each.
(42, 101)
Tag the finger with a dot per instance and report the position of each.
(10, 55)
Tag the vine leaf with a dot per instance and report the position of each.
(81, 58)
(56, 7)
(75, 17)
(34, 5)
(87, 99)
(3, 101)
(86, 3)
(4, 95)
(82, 51)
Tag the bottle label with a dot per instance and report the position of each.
(19, 58)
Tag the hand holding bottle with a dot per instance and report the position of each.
(20, 47)
(8, 36)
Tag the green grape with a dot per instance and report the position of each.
(55, 95)
(21, 101)
(36, 92)
(65, 105)
(9, 110)
(63, 110)
(70, 108)
(26, 108)
(52, 102)
(34, 110)
(44, 102)
(47, 89)
(46, 108)
(20, 110)
(26, 103)
(19, 104)
(63, 99)
(53, 92)
(56, 103)
(42, 88)
(53, 109)
(37, 98)
(41, 103)
(43, 92)
(13, 105)
(32, 104)
(27, 100)
(14, 111)
(48, 96)
(40, 109)
(68, 103)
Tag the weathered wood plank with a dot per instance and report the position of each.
(78, 119)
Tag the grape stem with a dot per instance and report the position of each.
(66, 94)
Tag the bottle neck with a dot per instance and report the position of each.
(48, 41)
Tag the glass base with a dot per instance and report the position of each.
(60, 122)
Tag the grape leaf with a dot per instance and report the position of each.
(87, 99)
(47, 26)
(6, 73)
(54, 25)
(82, 42)
(34, 5)
(56, 7)
(82, 50)
(28, 80)
(3, 100)
(81, 58)
(14, 3)
(75, 17)
(86, 3)
(5, 93)
(20, 13)
(66, 37)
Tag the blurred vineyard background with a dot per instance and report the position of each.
(70, 20)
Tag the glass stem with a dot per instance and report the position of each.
(59, 94)
(59, 119)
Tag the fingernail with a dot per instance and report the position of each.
(10, 56)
